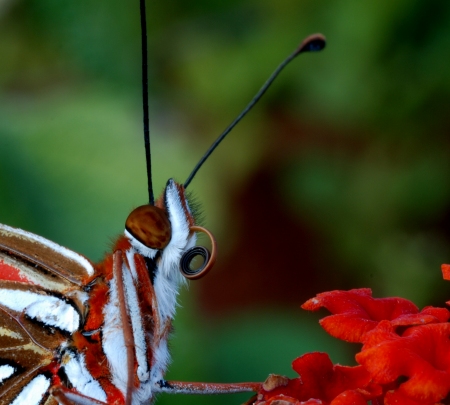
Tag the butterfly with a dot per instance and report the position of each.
(77, 333)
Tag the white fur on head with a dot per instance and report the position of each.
(140, 247)
(168, 276)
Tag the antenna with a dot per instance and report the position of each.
(148, 158)
(312, 43)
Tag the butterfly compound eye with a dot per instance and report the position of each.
(187, 263)
(150, 226)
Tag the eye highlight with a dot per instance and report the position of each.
(150, 226)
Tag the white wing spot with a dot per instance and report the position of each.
(44, 308)
(6, 371)
(33, 391)
(81, 379)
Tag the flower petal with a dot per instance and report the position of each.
(351, 397)
(356, 312)
(445, 271)
(421, 357)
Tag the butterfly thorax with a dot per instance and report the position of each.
(148, 283)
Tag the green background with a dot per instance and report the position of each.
(339, 178)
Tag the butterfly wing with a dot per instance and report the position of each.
(41, 305)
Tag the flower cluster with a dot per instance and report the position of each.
(404, 359)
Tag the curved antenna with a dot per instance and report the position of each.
(148, 158)
(313, 43)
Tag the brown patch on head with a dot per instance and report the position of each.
(149, 225)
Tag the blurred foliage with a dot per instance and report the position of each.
(350, 148)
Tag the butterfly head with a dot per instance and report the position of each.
(167, 231)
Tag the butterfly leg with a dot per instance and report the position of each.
(67, 397)
(118, 260)
(181, 387)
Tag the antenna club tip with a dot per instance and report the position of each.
(312, 43)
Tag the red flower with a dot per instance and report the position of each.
(320, 380)
(405, 358)
(284, 400)
(418, 362)
(356, 312)
(445, 271)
